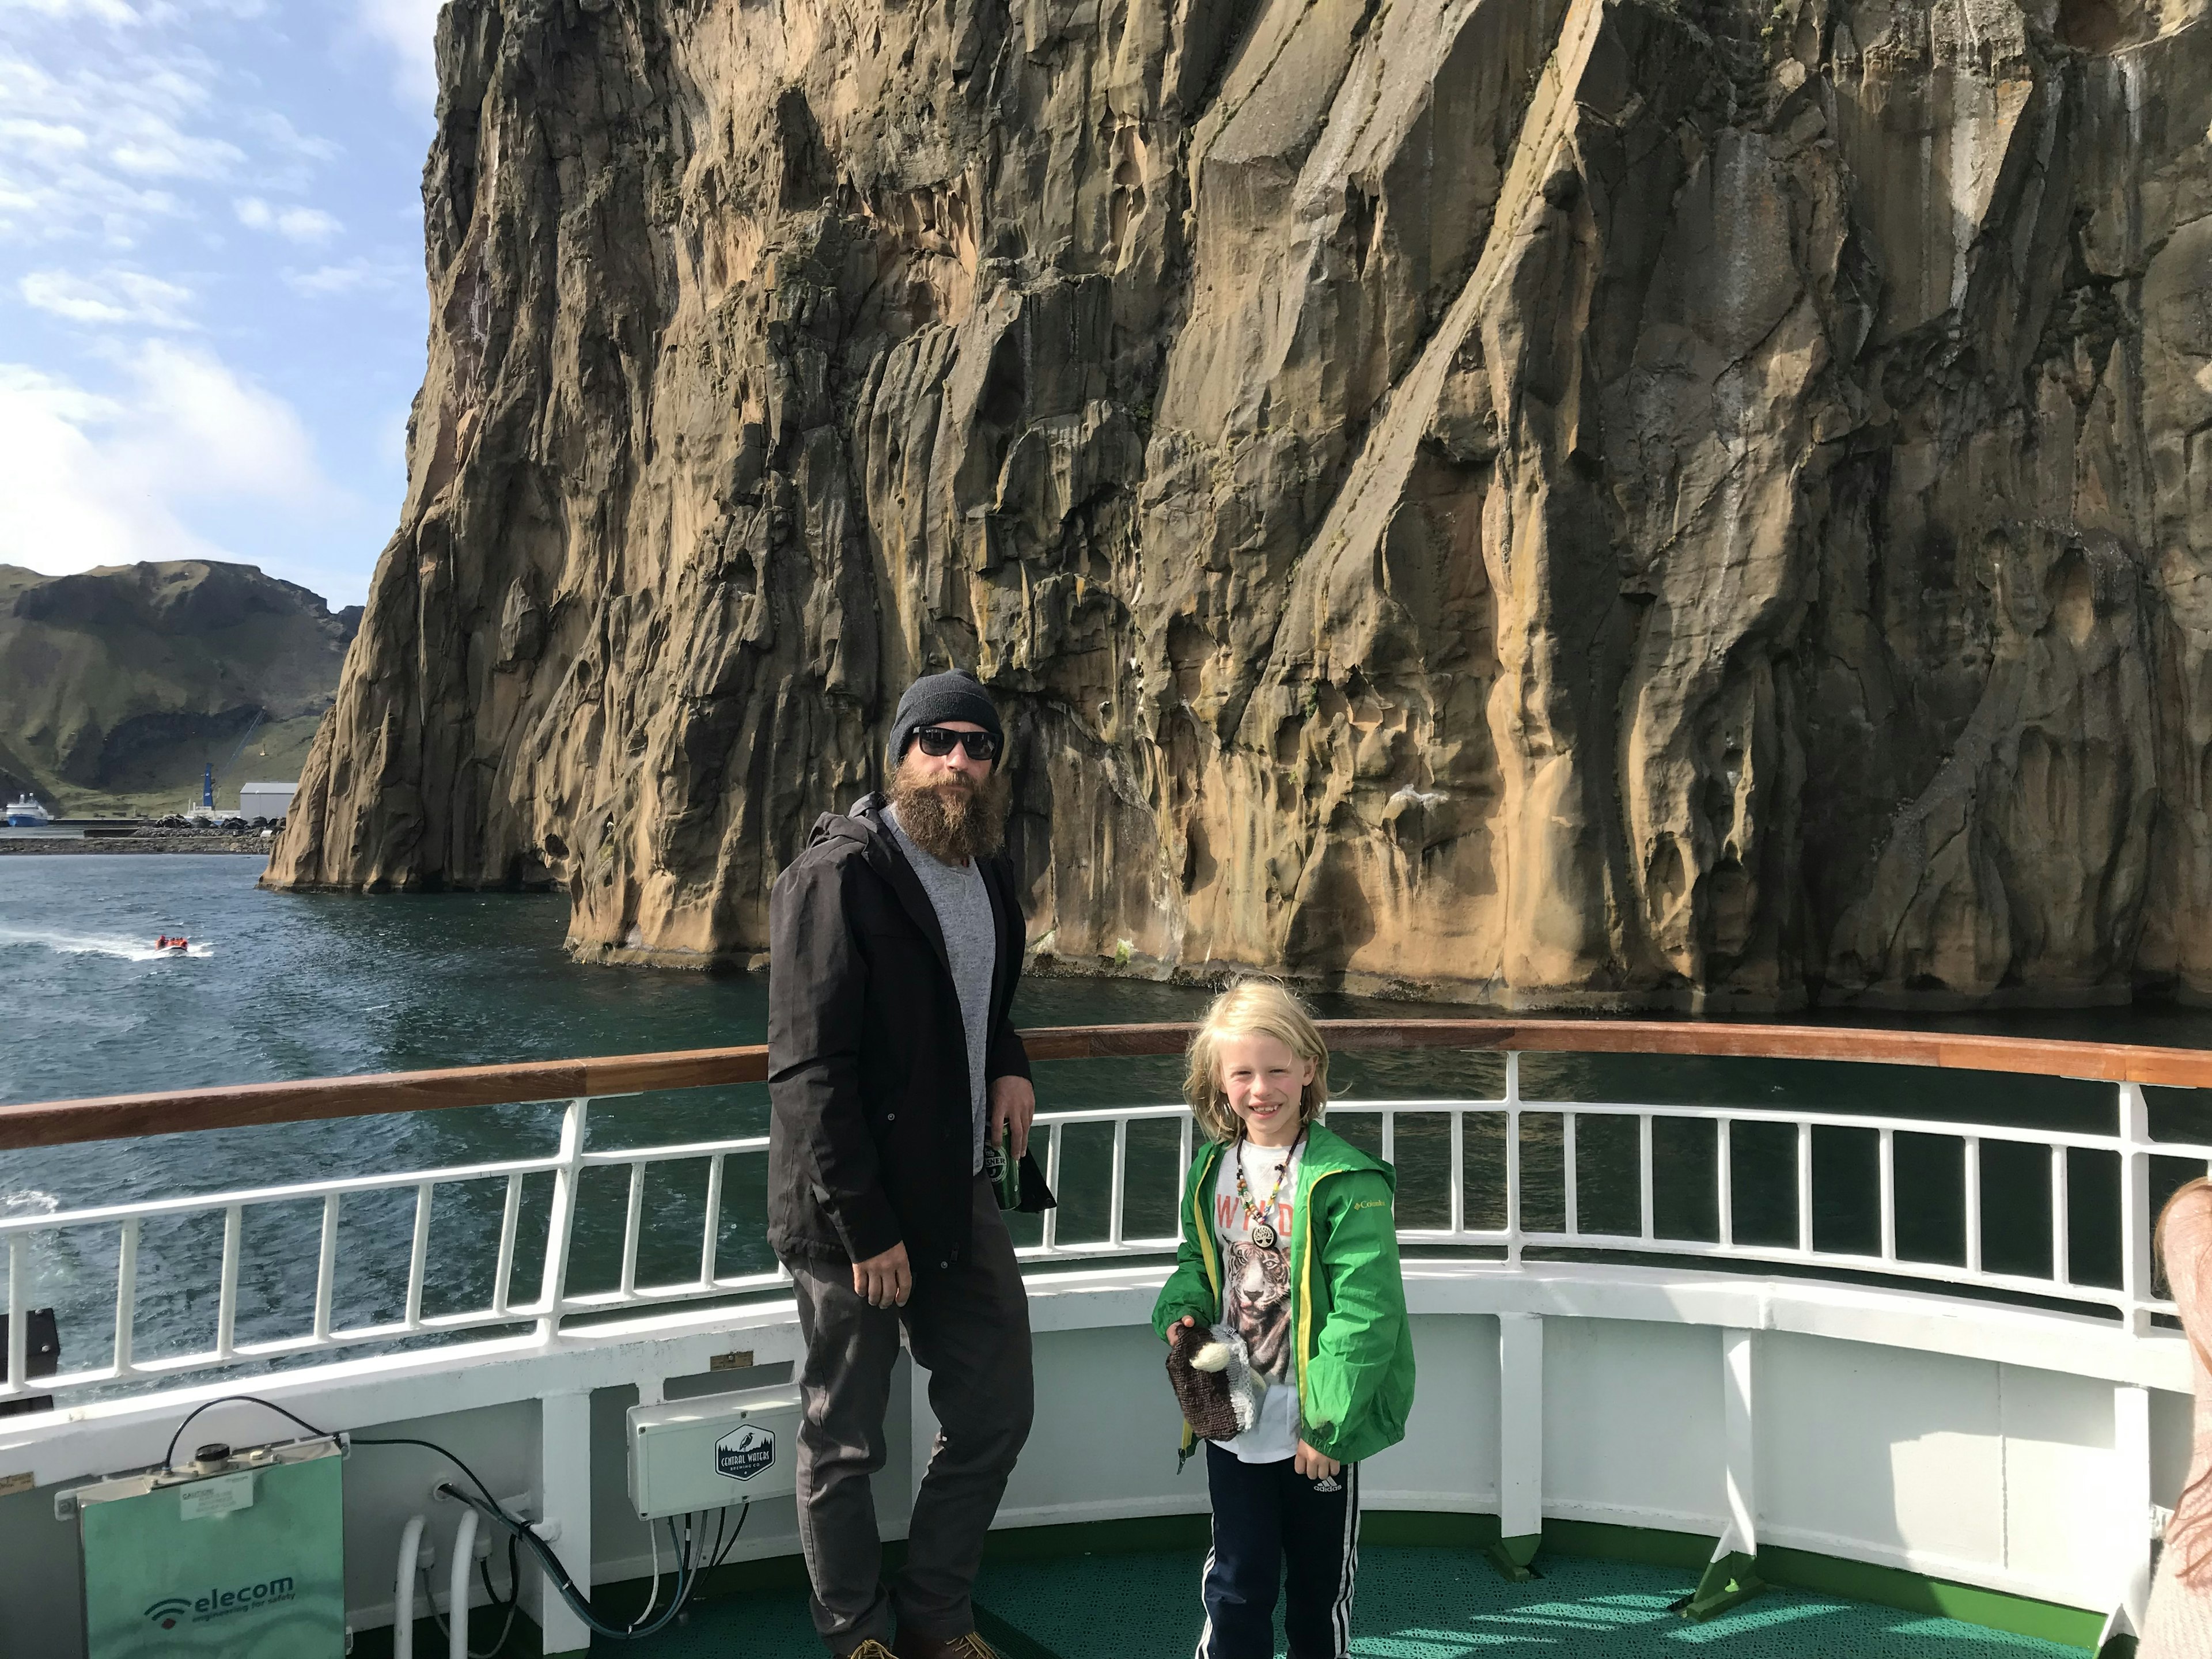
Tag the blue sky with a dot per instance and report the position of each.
(211, 293)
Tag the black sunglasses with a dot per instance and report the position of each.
(937, 741)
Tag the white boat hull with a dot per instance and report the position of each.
(1996, 1447)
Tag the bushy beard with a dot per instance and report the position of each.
(948, 817)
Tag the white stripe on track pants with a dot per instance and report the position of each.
(1267, 1518)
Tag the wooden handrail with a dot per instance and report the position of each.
(62, 1122)
(2095, 1062)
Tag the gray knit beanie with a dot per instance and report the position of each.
(935, 698)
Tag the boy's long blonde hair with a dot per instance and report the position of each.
(1252, 1007)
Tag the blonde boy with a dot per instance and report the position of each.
(1288, 1240)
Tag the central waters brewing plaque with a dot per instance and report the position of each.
(248, 1563)
(750, 1451)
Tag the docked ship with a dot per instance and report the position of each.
(26, 813)
(1664, 1394)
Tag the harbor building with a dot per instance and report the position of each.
(265, 800)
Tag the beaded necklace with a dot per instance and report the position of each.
(1263, 1234)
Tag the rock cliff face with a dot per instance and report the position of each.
(1665, 503)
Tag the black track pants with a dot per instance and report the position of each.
(1268, 1516)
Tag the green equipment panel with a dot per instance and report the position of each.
(246, 1561)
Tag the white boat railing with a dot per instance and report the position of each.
(1551, 1127)
(2133, 1299)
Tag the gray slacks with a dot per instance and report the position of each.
(969, 1326)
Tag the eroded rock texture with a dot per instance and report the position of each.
(1674, 502)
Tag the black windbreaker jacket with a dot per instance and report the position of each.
(871, 1128)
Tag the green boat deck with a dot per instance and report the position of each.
(1414, 1603)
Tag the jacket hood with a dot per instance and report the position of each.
(861, 826)
(861, 823)
(1328, 1152)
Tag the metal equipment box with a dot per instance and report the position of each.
(713, 1451)
(244, 1559)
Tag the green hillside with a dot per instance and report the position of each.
(118, 684)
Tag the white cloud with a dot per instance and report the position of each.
(48, 138)
(161, 216)
(409, 29)
(93, 149)
(115, 12)
(111, 297)
(121, 13)
(285, 140)
(100, 479)
(355, 277)
(157, 150)
(297, 224)
(110, 137)
(205, 430)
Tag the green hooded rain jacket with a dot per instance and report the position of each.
(1349, 1327)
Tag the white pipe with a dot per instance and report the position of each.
(402, 1590)
(457, 1613)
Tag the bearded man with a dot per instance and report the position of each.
(895, 944)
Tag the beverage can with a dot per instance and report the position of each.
(1003, 1171)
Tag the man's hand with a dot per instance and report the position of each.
(1312, 1465)
(887, 1280)
(1014, 1106)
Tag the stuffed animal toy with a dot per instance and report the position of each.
(1214, 1382)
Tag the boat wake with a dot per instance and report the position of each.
(86, 945)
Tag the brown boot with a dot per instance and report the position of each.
(870, 1649)
(970, 1646)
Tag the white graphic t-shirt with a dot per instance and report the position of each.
(1255, 1289)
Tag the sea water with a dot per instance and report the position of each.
(282, 986)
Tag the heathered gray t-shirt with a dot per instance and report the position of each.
(971, 941)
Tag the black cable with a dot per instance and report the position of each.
(675, 1563)
(513, 1598)
(168, 1457)
(431, 1445)
(430, 1599)
(691, 1573)
(558, 1575)
(722, 1551)
(519, 1532)
(685, 1580)
(512, 1604)
(514, 1583)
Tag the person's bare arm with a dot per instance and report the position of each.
(2185, 1241)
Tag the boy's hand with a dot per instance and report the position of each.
(1312, 1465)
(1176, 1330)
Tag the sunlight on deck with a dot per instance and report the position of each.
(1414, 1604)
